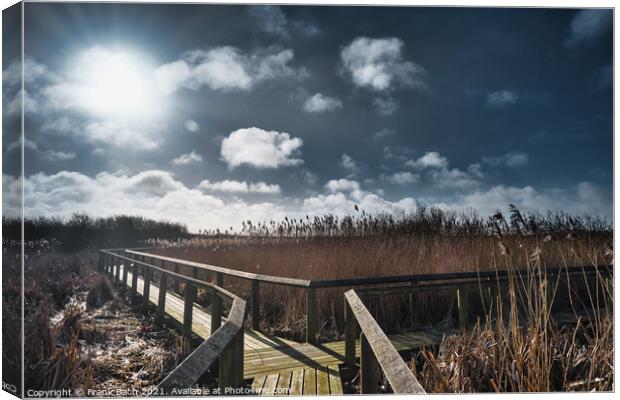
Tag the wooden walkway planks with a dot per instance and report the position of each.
(279, 365)
(323, 380)
(201, 319)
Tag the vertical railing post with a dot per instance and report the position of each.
(194, 272)
(350, 331)
(176, 280)
(125, 273)
(368, 367)
(161, 301)
(239, 358)
(188, 309)
(255, 305)
(134, 281)
(117, 272)
(462, 295)
(227, 372)
(216, 304)
(146, 292)
(414, 317)
(311, 317)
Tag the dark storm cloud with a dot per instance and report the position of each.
(333, 106)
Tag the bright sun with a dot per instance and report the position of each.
(111, 83)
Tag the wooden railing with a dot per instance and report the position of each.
(376, 351)
(312, 286)
(224, 345)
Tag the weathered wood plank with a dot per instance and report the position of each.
(297, 382)
(311, 315)
(399, 376)
(270, 385)
(309, 382)
(322, 382)
(335, 382)
(258, 383)
(284, 383)
(255, 305)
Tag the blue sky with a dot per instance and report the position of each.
(211, 115)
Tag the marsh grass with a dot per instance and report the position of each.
(429, 241)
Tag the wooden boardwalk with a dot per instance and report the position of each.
(279, 366)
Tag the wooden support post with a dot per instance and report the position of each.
(414, 316)
(146, 275)
(255, 305)
(368, 368)
(350, 331)
(239, 358)
(311, 317)
(227, 373)
(125, 272)
(216, 305)
(176, 280)
(194, 272)
(161, 301)
(462, 295)
(188, 309)
(134, 281)
(117, 272)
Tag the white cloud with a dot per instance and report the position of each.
(402, 178)
(259, 148)
(587, 25)
(342, 185)
(502, 98)
(452, 178)
(586, 198)
(383, 133)
(345, 195)
(56, 155)
(385, 105)
(158, 194)
(319, 103)
(226, 68)
(438, 171)
(119, 135)
(378, 64)
(511, 160)
(189, 158)
(231, 186)
(191, 126)
(272, 20)
(349, 163)
(431, 159)
(49, 154)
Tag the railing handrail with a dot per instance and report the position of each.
(394, 368)
(278, 280)
(486, 274)
(193, 366)
(225, 342)
(195, 281)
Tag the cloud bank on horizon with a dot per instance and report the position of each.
(311, 116)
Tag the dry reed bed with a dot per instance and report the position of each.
(430, 241)
(520, 348)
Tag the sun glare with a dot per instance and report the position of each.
(115, 83)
